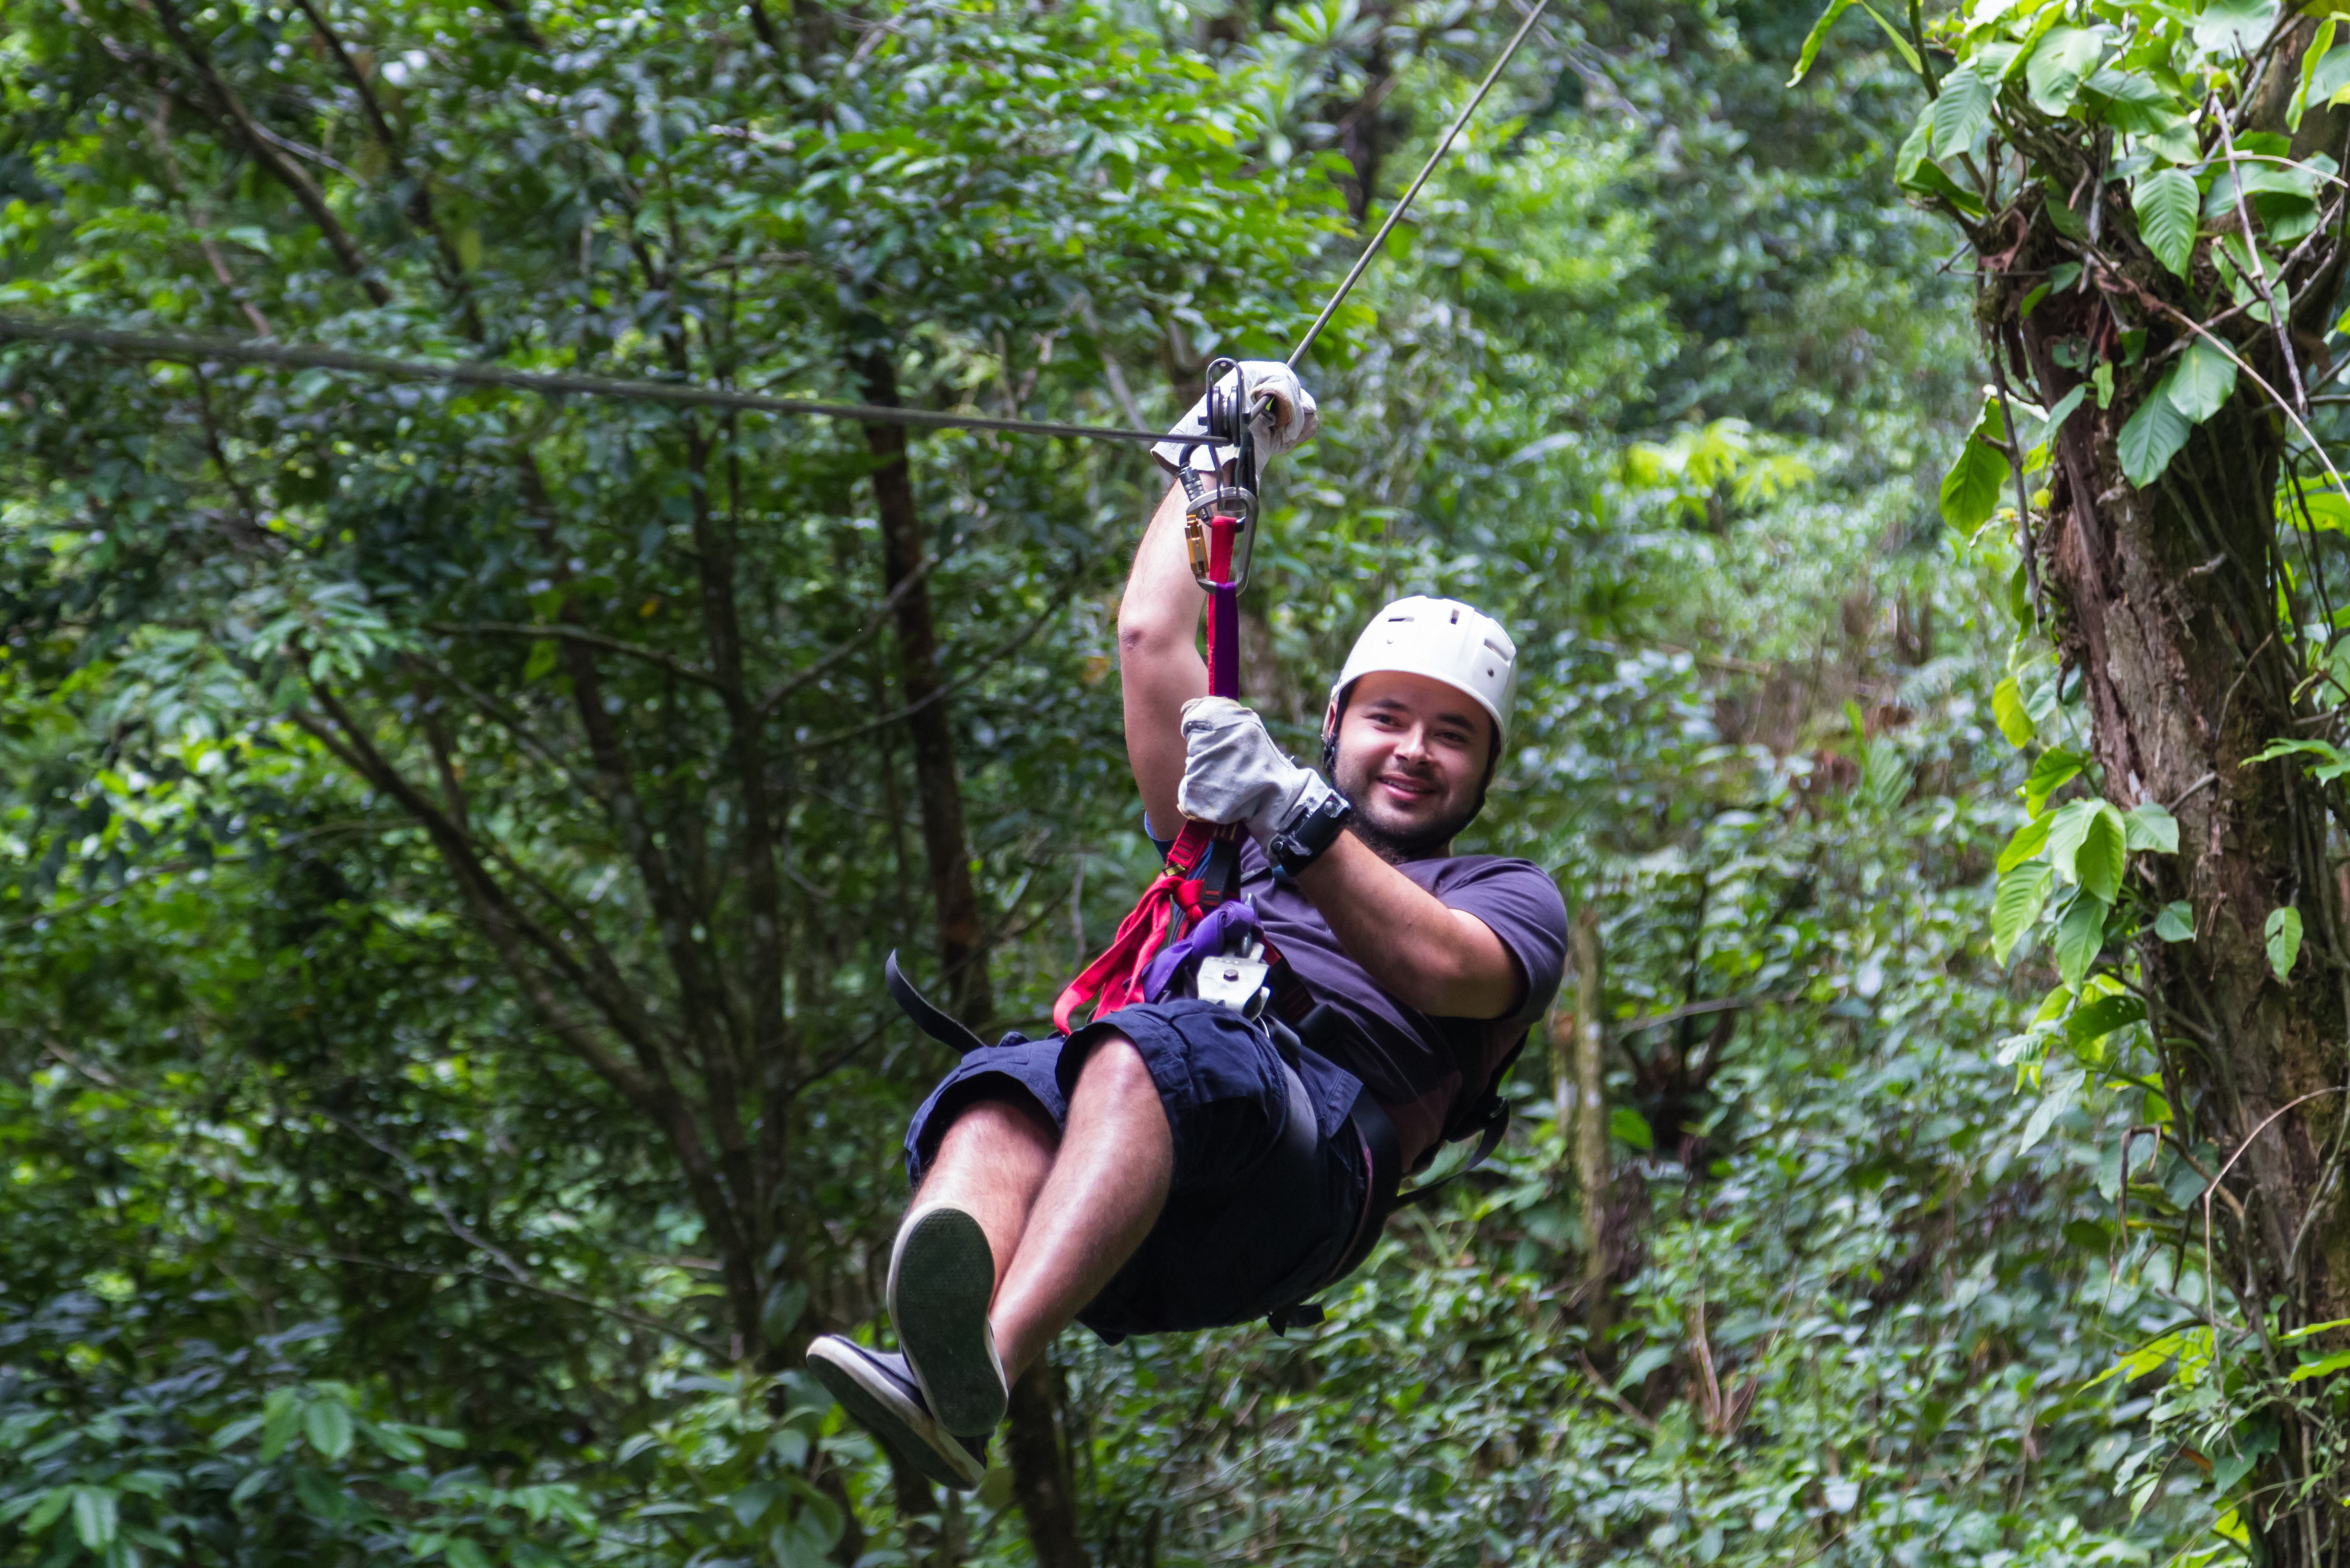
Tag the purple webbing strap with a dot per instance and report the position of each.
(1223, 640)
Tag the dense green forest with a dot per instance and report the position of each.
(450, 836)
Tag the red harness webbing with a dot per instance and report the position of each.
(1177, 901)
(1180, 897)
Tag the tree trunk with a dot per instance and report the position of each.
(1040, 1470)
(2169, 603)
(945, 849)
(1039, 1478)
(1590, 1102)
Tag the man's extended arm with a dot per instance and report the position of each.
(1159, 666)
(1424, 954)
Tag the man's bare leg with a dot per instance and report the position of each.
(1107, 1185)
(992, 1164)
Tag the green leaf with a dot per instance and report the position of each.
(327, 1423)
(1901, 46)
(1971, 490)
(2028, 841)
(2087, 842)
(463, 1553)
(1816, 37)
(2177, 923)
(96, 1517)
(2023, 891)
(2007, 708)
(2333, 762)
(2234, 26)
(2322, 1367)
(47, 1512)
(2103, 855)
(2167, 204)
(2080, 935)
(2311, 59)
(2063, 61)
(1630, 1126)
(2152, 827)
(2309, 1330)
(541, 661)
(2050, 770)
(2093, 1021)
(2152, 438)
(2202, 382)
(1961, 111)
(2131, 103)
(2282, 932)
(281, 1419)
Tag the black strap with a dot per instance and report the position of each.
(931, 1019)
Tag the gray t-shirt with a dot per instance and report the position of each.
(1419, 1067)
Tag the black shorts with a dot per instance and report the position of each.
(1270, 1176)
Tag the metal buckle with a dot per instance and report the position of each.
(1234, 982)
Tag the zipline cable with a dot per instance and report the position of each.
(182, 346)
(199, 347)
(1395, 215)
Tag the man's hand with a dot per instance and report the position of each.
(1233, 773)
(1282, 416)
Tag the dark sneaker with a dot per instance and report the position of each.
(881, 1395)
(942, 1280)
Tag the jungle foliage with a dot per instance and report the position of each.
(449, 839)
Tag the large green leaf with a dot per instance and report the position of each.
(2022, 893)
(327, 1423)
(2080, 936)
(2028, 841)
(1971, 490)
(2227, 28)
(2007, 707)
(2167, 202)
(2332, 761)
(96, 1516)
(2152, 436)
(2281, 933)
(1816, 37)
(2050, 770)
(2202, 382)
(2064, 60)
(1961, 111)
(2312, 60)
(2151, 826)
(2087, 843)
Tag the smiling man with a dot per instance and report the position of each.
(1179, 1163)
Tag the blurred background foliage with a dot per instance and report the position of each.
(448, 838)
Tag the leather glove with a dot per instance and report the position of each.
(1233, 773)
(1282, 418)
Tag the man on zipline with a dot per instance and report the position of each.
(1177, 1164)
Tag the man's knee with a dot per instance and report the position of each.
(1114, 1064)
(1001, 1120)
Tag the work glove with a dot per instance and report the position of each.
(1233, 773)
(1282, 416)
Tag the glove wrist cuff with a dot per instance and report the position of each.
(1313, 823)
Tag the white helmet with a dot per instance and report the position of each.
(1445, 640)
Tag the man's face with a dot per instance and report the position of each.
(1412, 755)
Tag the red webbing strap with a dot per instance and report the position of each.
(1223, 610)
(1178, 898)
(1169, 907)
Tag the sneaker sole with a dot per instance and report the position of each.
(942, 1280)
(895, 1423)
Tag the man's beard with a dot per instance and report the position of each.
(1419, 843)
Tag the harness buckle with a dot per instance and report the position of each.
(1232, 981)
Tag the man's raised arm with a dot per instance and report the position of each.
(1159, 666)
(1159, 663)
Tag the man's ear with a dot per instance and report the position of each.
(1330, 742)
